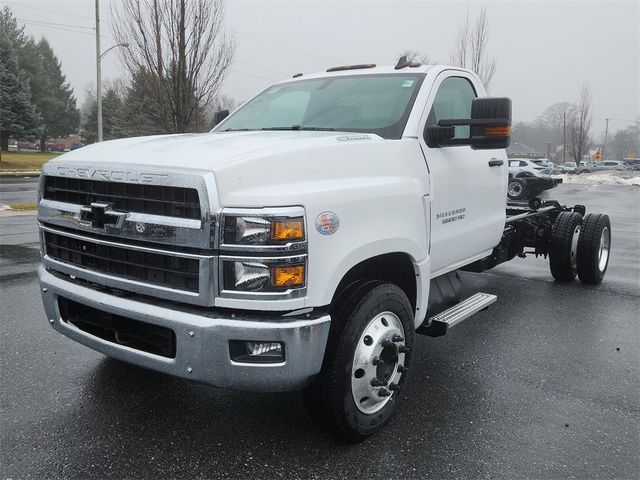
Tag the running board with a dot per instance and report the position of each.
(440, 324)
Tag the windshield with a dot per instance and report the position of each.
(569, 164)
(378, 104)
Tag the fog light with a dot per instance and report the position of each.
(260, 348)
(256, 352)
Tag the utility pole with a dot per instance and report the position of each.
(98, 73)
(604, 147)
(564, 134)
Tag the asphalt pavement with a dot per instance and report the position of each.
(18, 189)
(545, 384)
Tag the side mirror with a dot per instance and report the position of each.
(219, 116)
(495, 113)
(490, 126)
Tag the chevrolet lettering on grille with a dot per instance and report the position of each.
(100, 214)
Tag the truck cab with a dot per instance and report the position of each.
(300, 244)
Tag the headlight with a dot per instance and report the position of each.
(263, 275)
(273, 228)
(254, 243)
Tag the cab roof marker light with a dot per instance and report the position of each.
(351, 67)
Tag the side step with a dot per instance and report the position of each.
(439, 324)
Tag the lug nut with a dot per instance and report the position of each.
(387, 344)
(376, 382)
(394, 387)
(377, 361)
(189, 369)
(52, 321)
(397, 338)
(402, 369)
(404, 349)
(383, 392)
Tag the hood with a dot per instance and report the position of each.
(207, 151)
(269, 168)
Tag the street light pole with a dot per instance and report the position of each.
(98, 73)
(604, 147)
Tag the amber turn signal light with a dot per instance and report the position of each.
(290, 229)
(290, 276)
(498, 131)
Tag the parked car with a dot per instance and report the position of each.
(545, 163)
(633, 165)
(585, 167)
(527, 179)
(611, 165)
(519, 165)
(569, 167)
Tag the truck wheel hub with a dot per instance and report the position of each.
(377, 361)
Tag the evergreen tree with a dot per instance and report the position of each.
(50, 93)
(17, 113)
(111, 113)
(139, 114)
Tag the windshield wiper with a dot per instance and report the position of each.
(235, 130)
(300, 127)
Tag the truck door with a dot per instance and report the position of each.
(468, 194)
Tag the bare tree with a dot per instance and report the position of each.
(181, 49)
(416, 56)
(579, 126)
(471, 49)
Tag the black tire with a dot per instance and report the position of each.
(329, 399)
(517, 189)
(594, 248)
(563, 249)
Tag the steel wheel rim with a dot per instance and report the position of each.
(603, 253)
(515, 189)
(382, 329)
(574, 247)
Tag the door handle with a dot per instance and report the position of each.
(495, 162)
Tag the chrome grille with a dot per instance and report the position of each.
(152, 268)
(162, 200)
(151, 232)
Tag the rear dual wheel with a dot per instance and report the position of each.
(366, 362)
(580, 246)
(593, 248)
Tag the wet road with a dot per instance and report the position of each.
(18, 189)
(545, 384)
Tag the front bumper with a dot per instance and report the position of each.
(202, 341)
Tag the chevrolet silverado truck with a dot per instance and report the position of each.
(304, 241)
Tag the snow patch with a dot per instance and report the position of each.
(608, 178)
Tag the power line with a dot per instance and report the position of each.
(46, 10)
(261, 68)
(253, 75)
(65, 29)
(55, 24)
(286, 48)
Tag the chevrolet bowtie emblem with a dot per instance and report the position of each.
(101, 214)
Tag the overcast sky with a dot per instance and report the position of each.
(544, 50)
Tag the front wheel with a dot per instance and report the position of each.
(366, 362)
(593, 248)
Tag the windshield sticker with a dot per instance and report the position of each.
(408, 83)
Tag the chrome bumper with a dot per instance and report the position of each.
(202, 342)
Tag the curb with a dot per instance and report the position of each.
(29, 173)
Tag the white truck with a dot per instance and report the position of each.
(304, 241)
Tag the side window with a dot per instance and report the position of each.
(453, 100)
(514, 163)
(523, 164)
